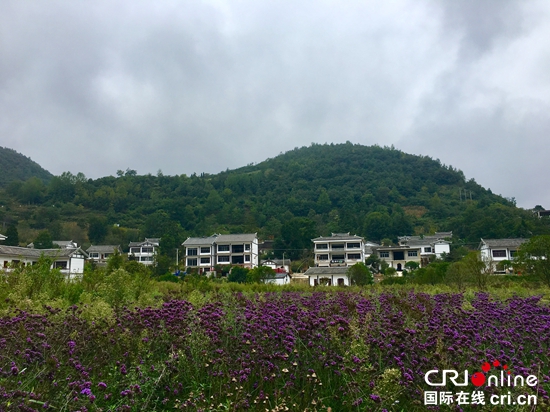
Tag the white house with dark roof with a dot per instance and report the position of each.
(429, 245)
(69, 261)
(2, 237)
(206, 252)
(328, 276)
(144, 252)
(200, 252)
(100, 253)
(339, 249)
(494, 251)
(398, 256)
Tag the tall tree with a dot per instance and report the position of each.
(43, 240)
(12, 236)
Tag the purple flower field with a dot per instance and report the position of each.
(272, 351)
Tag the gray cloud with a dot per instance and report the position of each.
(204, 86)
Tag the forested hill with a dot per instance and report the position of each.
(15, 166)
(371, 191)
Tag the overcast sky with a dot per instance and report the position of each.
(201, 86)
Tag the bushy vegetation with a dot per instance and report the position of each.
(117, 340)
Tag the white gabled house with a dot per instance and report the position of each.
(339, 249)
(69, 261)
(204, 253)
(398, 256)
(429, 245)
(277, 264)
(101, 253)
(494, 251)
(2, 237)
(328, 276)
(144, 252)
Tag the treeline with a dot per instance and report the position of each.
(310, 191)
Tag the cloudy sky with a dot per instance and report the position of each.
(200, 86)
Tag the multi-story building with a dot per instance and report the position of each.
(429, 245)
(144, 252)
(206, 252)
(339, 249)
(398, 256)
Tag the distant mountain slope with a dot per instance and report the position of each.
(379, 193)
(15, 166)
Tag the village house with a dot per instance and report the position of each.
(2, 237)
(436, 245)
(398, 256)
(100, 253)
(333, 256)
(144, 252)
(277, 264)
(339, 249)
(69, 261)
(494, 251)
(204, 253)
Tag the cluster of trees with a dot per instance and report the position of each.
(379, 193)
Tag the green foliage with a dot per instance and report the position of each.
(43, 240)
(534, 257)
(295, 238)
(97, 229)
(360, 275)
(238, 274)
(259, 274)
(12, 236)
(15, 166)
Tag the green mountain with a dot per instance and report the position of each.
(366, 190)
(14, 166)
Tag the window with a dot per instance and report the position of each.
(247, 258)
(499, 253)
(146, 250)
(205, 260)
(322, 257)
(106, 256)
(338, 246)
(247, 248)
(94, 255)
(355, 256)
(338, 257)
(205, 250)
(513, 254)
(399, 255)
(223, 248)
(384, 254)
(321, 246)
(354, 245)
(237, 248)
(223, 259)
(135, 250)
(237, 260)
(412, 253)
(146, 259)
(5, 263)
(427, 250)
(192, 251)
(59, 264)
(192, 262)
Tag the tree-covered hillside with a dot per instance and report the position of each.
(15, 166)
(371, 191)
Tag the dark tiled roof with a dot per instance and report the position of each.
(151, 241)
(326, 271)
(338, 236)
(242, 237)
(493, 243)
(103, 248)
(199, 241)
(36, 253)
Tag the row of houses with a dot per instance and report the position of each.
(333, 255)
